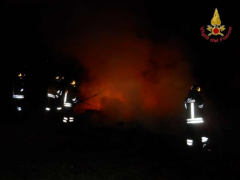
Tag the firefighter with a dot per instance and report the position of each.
(70, 100)
(19, 91)
(54, 94)
(196, 127)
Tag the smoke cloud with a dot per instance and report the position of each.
(145, 81)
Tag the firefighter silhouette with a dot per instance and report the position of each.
(19, 91)
(196, 127)
(55, 93)
(70, 100)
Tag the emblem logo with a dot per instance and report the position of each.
(216, 29)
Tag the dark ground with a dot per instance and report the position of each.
(45, 151)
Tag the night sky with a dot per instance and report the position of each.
(31, 33)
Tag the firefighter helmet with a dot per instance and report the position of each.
(196, 88)
(21, 75)
(74, 83)
(59, 77)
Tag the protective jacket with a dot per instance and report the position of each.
(194, 105)
(70, 98)
(55, 89)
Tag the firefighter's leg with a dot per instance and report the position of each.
(71, 115)
(48, 106)
(18, 104)
(19, 107)
(205, 138)
(189, 136)
(66, 115)
(58, 104)
(200, 137)
(65, 119)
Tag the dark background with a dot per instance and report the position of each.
(214, 65)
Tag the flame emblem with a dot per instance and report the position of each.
(216, 28)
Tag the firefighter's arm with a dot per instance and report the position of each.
(201, 104)
(75, 100)
(59, 93)
(186, 102)
(51, 93)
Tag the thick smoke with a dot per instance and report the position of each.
(145, 82)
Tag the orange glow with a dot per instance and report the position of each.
(139, 85)
(145, 81)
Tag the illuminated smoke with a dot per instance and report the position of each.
(145, 81)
